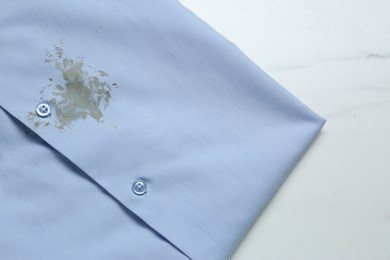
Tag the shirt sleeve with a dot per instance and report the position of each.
(146, 91)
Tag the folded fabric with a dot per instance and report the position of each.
(132, 130)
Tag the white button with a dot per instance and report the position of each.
(139, 187)
(43, 109)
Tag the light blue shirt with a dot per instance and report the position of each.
(132, 130)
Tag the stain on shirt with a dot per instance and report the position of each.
(82, 92)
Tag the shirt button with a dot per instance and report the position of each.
(43, 109)
(139, 187)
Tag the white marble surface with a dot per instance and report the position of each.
(333, 55)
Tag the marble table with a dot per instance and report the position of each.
(333, 55)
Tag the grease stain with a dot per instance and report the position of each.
(79, 94)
